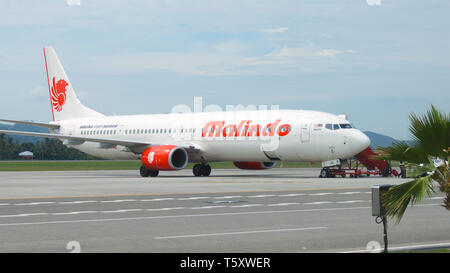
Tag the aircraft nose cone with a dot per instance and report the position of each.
(358, 142)
(361, 141)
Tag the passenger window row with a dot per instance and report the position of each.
(157, 131)
(136, 131)
(98, 132)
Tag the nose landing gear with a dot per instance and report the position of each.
(326, 172)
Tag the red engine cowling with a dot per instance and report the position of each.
(245, 165)
(164, 158)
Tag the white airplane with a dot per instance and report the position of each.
(167, 142)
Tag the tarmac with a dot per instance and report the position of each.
(232, 211)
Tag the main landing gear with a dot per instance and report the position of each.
(201, 170)
(198, 170)
(146, 172)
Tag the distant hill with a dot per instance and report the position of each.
(28, 128)
(379, 139)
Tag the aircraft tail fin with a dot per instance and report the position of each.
(63, 100)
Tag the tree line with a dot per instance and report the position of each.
(48, 149)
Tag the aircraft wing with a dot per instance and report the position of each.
(38, 124)
(135, 146)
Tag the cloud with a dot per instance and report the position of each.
(307, 52)
(297, 59)
(73, 2)
(228, 58)
(373, 2)
(275, 30)
(191, 63)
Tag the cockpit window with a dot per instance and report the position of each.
(345, 125)
(329, 126)
(336, 126)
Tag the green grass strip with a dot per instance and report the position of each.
(25, 166)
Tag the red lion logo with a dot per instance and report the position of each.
(59, 94)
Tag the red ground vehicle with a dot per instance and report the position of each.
(353, 168)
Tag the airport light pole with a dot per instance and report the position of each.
(385, 236)
(379, 210)
(379, 220)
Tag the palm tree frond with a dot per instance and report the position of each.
(397, 198)
(401, 151)
(441, 175)
(431, 131)
(431, 141)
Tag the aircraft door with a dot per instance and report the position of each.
(305, 132)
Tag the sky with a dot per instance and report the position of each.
(375, 60)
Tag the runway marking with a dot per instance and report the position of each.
(181, 193)
(204, 207)
(208, 207)
(282, 204)
(318, 203)
(119, 201)
(224, 201)
(292, 194)
(121, 210)
(156, 199)
(178, 216)
(180, 199)
(24, 215)
(74, 212)
(187, 215)
(193, 198)
(228, 197)
(77, 202)
(247, 206)
(165, 209)
(260, 196)
(34, 203)
(321, 194)
(238, 233)
(352, 201)
(438, 197)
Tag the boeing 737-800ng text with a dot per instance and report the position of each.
(167, 142)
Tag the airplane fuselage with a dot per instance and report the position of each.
(285, 135)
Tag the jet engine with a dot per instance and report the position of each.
(164, 158)
(256, 165)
